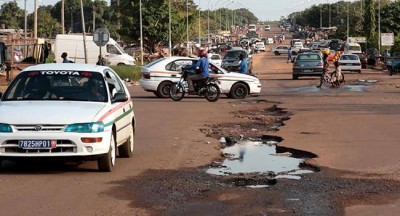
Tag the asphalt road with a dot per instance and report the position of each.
(353, 130)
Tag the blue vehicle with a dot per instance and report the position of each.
(393, 64)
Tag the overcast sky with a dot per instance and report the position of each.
(263, 9)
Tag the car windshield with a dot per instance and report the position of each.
(57, 85)
(235, 54)
(306, 57)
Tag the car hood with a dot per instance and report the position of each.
(48, 112)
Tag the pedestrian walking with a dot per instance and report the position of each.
(289, 57)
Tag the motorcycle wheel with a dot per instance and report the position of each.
(176, 92)
(213, 92)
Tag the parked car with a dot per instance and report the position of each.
(158, 76)
(307, 64)
(67, 111)
(363, 60)
(215, 58)
(280, 50)
(350, 62)
(267, 28)
(231, 61)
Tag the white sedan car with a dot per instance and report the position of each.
(283, 49)
(350, 62)
(67, 111)
(157, 77)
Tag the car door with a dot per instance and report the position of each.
(174, 68)
(121, 111)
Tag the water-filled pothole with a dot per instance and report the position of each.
(263, 157)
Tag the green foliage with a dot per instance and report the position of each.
(131, 72)
(11, 15)
(396, 47)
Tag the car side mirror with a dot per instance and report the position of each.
(119, 97)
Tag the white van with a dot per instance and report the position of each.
(352, 48)
(252, 28)
(72, 44)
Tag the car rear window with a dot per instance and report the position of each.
(349, 57)
(308, 57)
(235, 54)
(215, 57)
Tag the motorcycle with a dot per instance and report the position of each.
(206, 87)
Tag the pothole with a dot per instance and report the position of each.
(261, 158)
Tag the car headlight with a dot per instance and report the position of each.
(92, 127)
(5, 128)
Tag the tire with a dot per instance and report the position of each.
(213, 92)
(106, 162)
(276, 53)
(163, 89)
(295, 77)
(177, 92)
(126, 149)
(156, 94)
(239, 91)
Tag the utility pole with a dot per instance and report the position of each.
(169, 28)
(379, 26)
(62, 16)
(84, 33)
(320, 16)
(35, 20)
(330, 14)
(94, 17)
(141, 31)
(348, 20)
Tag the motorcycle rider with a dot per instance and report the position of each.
(202, 66)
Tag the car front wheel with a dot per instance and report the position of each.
(239, 91)
(106, 162)
(126, 149)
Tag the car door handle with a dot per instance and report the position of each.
(173, 75)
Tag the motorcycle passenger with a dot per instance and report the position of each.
(202, 66)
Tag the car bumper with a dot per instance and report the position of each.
(149, 85)
(255, 88)
(351, 68)
(308, 71)
(67, 144)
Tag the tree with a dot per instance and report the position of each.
(11, 15)
(369, 24)
(155, 22)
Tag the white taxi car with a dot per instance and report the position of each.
(157, 77)
(67, 111)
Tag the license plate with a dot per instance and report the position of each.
(37, 144)
(349, 64)
(307, 70)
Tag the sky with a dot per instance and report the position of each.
(264, 10)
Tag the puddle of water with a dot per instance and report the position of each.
(295, 177)
(257, 186)
(257, 157)
(344, 88)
